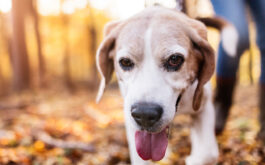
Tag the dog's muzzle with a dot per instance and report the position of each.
(146, 114)
(149, 144)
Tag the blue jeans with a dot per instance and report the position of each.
(235, 12)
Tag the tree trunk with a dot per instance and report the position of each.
(2, 83)
(6, 35)
(66, 60)
(7, 44)
(41, 60)
(93, 49)
(92, 53)
(20, 61)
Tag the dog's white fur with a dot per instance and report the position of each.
(149, 82)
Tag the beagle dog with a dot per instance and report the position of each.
(163, 63)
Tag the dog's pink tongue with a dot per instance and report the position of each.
(151, 146)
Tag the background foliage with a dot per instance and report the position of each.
(48, 82)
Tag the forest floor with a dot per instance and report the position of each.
(57, 127)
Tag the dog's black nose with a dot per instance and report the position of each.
(146, 114)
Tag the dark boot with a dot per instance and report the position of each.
(261, 134)
(223, 101)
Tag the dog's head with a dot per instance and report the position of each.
(156, 55)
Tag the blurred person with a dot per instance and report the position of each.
(235, 11)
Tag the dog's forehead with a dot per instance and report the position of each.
(131, 36)
(168, 36)
(165, 30)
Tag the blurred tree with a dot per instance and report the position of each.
(19, 55)
(4, 33)
(66, 60)
(41, 60)
(92, 47)
(2, 83)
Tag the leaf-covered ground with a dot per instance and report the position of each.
(57, 127)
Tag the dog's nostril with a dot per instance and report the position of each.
(136, 117)
(135, 113)
(146, 114)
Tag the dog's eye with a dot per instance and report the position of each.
(126, 64)
(174, 62)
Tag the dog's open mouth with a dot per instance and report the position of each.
(151, 145)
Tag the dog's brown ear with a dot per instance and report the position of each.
(198, 35)
(104, 59)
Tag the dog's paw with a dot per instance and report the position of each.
(210, 159)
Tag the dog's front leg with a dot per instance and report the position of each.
(130, 131)
(204, 146)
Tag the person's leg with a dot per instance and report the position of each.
(261, 134)
(258, 11)
(235, 12)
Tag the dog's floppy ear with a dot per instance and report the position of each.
(198, 34)
(104, 59)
